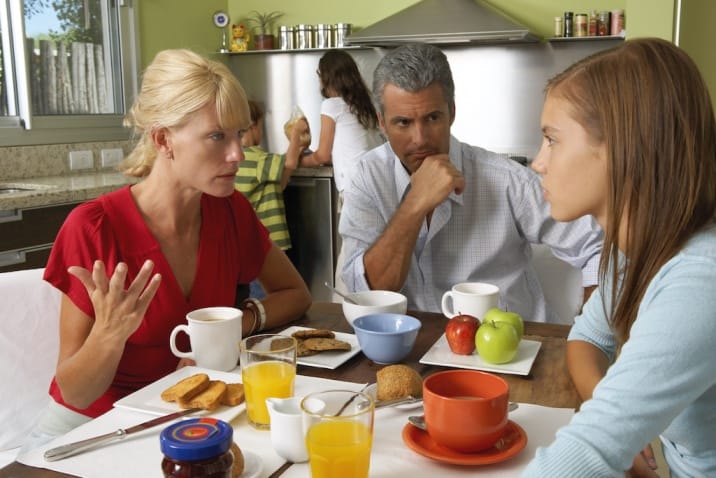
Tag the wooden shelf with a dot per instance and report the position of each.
(568, 39)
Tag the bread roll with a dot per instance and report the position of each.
(398, 381)
(305, 137)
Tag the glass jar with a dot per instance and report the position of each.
(197, 447)
(617, 22)
(603, 24)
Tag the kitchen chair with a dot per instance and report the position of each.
(29, 343)
(561, 284)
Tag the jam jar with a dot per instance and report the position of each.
(197, 447)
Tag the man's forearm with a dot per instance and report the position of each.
(388, 260)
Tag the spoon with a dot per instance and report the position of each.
(419, 420)
(345, 297)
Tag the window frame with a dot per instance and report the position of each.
(22, 128)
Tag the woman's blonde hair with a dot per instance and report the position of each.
(648, 104)
(174, 86)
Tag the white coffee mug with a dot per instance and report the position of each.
(472, 298)
(214, 334)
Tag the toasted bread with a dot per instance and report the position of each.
(398, 381)
(186, 388)
(209, 399)
(234, 394)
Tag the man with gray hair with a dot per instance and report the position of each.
(425, 211)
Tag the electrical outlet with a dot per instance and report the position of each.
(110, 157)
(81, 160)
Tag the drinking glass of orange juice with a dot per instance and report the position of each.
(268, 370)
(339, 433)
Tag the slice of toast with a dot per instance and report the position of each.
(234, 394)
(186, 388)
(209, 399)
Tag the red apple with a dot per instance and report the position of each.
(460, 333)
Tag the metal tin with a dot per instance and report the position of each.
(557, 26)
(304, 37)
(603, 24)
(285, 37)
(323, 36)
(580, 25)
(342, 31)
(617, 22)
(568, 16)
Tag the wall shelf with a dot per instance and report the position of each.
(569, 39)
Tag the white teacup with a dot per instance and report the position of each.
(214, 334)
(472, 298)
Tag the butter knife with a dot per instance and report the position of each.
(74, 448)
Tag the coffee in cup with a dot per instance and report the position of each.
(471, 298)
(465, 410)
(214, 335)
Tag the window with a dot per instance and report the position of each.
(68, 70)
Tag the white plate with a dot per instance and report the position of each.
(252, 465)
(331, 359)
(149, 400)
(440, 354)
(372, 390)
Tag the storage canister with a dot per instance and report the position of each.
(581, 25)
(342, 31)
(603, 24)
(323, 36)
(568, 19)
(557, 26)
(617, 22)
(593, 20)
(285, 37)
(197, 447)
(304, 36)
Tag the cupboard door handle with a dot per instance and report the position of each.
(11, 216)
(12, 258)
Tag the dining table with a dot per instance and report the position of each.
(546, 396)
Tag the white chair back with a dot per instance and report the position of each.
(29, 343)
(561, 284)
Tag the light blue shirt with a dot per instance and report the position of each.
(663, 382)
(483, 234)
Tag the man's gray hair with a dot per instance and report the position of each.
(413, 67)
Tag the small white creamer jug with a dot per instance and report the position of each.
(287, 436)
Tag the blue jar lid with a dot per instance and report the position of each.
(196, 439)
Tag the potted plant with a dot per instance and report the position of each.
(263, 22)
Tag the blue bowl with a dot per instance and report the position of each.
(386, 338)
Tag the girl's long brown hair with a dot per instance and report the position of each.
(648, 103)
(339, 72)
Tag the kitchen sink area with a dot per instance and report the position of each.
(15, 188)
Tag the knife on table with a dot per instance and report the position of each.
(71, 449)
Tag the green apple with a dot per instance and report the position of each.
(499, 315)
(496, 342)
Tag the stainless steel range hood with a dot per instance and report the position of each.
(444, 22)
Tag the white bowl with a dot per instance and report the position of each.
(374, 302)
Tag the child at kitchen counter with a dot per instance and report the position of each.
(630, 138)
(262, 177)
(132, 263)
(349, 126)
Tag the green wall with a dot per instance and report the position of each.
(188, 23)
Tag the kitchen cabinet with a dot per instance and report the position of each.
(28, 234)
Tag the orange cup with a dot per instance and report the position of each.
(465, 410)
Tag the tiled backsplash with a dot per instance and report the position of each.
(20, 162)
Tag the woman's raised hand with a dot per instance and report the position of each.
(118, 311)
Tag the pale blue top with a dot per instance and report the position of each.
(483, 234)
(662, 383)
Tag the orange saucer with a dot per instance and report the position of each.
(511, 444)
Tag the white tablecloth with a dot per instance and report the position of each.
(139, 454)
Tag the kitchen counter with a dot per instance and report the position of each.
(50, 190)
